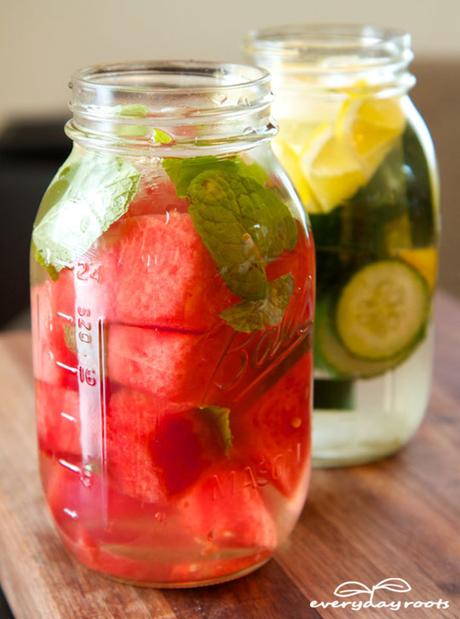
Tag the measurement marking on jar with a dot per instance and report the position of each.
(102, 392)
(70, 512)
(87, 376)
(68, 465)
(38, 321)
(68, 368)
(86, 271)
(89, 338)
(84, 325)
(68, 417)
(65, 316)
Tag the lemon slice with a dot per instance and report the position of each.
(370, 127)
(294, 132)
(331, 168)
(424, 259)
(290, 161)
(330, 163)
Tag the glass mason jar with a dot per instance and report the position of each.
(172, 297)
(363, 164)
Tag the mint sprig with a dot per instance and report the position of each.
(87, 195)
(220, 416)
(162, 137)
(228, 235)
(249, 316)
(183, 171)
(244, 225)
(132, 110)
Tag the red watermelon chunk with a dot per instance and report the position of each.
(274, 433)
(58, 419)
(156, 449)
(63, 294)
(300, 263)
(131, 418)
(157, 199)
(226, 512)
(167, 364)
(163, 275)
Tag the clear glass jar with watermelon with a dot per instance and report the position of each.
(172, 307)
(363, 164)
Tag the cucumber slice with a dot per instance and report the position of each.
(332, 356)
(382, 310)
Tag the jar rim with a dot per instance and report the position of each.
(311, 43)
(127, 76)
(334, 59)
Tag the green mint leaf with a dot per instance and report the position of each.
(132, 131)
(274, 228)
(220, 416)
(249, 316)
(283, 231)
(266, 217)
(132, 110)
(183, 171)
(162, 137)
(41, 261)
(87, 195)
(244, 225)
(252, 170)
(228, 236)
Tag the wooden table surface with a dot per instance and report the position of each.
(399, 518)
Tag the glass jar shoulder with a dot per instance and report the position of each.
(180, 243)
(365, 160)
(92, 191)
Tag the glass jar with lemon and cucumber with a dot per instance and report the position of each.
(363, 163)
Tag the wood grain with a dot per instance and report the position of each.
(398, 518)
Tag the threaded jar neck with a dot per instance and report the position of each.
(334, 58)
(171, 107)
